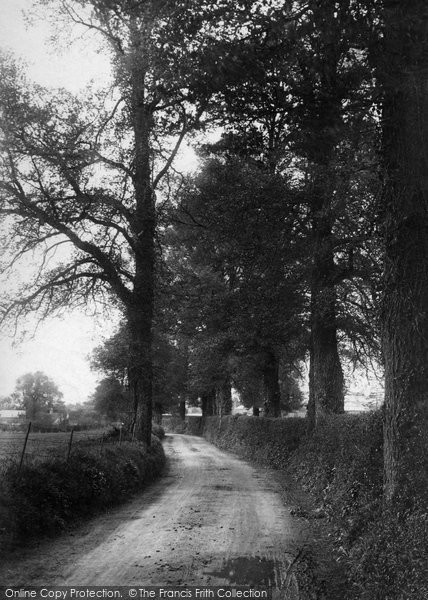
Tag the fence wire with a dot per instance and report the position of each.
(44, 446)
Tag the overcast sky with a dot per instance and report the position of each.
(60, 347)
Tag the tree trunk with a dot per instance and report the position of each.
(404, 74)
(141, 372)
(271, 385)
(157, 413)
(327, 384)
(140, 312)
(208, 404)
(224, 399)
(327, 376)
(311, 400)
(324, 130)
(182, 409)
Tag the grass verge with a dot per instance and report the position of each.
(45, 497)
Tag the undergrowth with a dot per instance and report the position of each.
(341, 466)
(263, 440)
(45, 497)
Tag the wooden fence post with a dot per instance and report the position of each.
(70, 442)
(25, 445)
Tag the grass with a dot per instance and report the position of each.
(48, 496)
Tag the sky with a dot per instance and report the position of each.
(60, 347)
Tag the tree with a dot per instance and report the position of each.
(306, 111)
(169, 367)
(84, 174)
(111, 400)
(403, 74)
(38, 394)
(240, 225)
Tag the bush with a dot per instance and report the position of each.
(174, 424)
(265, 441)
(46, 496)
(341, 466)
(158, 431)
(389, 562)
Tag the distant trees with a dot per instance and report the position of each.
(300, 107)
(38, 394)
(239, 226)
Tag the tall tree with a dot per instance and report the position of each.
(241, 226)
(403, 72)
(85, 173)
(303, 111)
(111, 400)
(38, 394)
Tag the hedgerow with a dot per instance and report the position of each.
(341, 466)
(44, 497)
(263, 440)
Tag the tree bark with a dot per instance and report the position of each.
(140, 314)
(271, 384)
(224, 399)
(404, 75)
(311, 400)
(327, 376)
(208, 404)
(182, 409)
(141, 371)
(157, 413)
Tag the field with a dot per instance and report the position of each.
(46, 445)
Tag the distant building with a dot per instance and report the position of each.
(9, 416)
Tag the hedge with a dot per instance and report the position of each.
(45, 497)
(265, 441)
(341, 467)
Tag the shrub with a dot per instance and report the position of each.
(46, 496)
(341, 466)
(265, 441)
(389, 562)
(158, 431)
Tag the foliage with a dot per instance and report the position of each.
(234, 251)
(169, 365)
(341, 466)
(81, 174)
(269, 442)
(384, 550)
(38, 394)
(158, 431)
(111, 399)
(46, 497)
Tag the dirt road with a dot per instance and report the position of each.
(213, 520)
